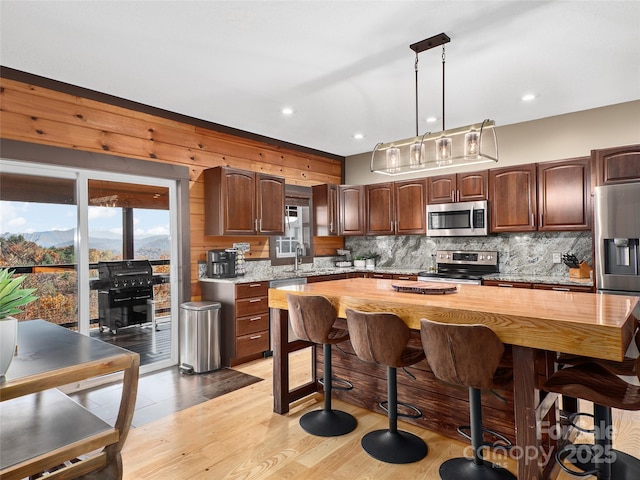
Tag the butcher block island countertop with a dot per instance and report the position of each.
(569, 322)
(534, 323)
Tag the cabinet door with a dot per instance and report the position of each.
(325, 210)
(512, 197)
(564, 197)
(269, 205)
(411, 207)
(442, 188)
(351, 210)
(472, 186)
(617, 165)
(380, 209)
(230, 210)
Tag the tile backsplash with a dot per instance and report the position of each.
(529, 253)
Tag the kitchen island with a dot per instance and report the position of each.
(533, 322)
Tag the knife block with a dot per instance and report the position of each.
(583, 271)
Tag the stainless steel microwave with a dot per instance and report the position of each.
(459, 219)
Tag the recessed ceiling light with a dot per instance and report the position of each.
(431, 119)
(358, 136)
(528, 97)
(287, 111)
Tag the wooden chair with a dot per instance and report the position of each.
(467, 355)
(312, 319)
(383, 338)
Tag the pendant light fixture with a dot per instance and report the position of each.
(456, 147)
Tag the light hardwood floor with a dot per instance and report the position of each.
(237, 436)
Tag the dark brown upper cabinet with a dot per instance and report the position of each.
(351, 206)
(325, 210)
(512, 198)
(396, 208)
(239, 202)
(460, 187)
(564, 195)
(616, 165)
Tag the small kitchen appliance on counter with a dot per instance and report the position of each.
(221, 263)
(345, 258)
(454, 266)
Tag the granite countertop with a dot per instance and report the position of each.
(306, 272)
(549, 279)
(263, 277)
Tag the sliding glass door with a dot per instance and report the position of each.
(62, 227)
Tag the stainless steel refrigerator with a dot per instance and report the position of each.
(617, 238)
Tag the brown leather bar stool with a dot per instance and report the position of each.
(467, 355)
(312, 319)
(600, 385)
(383, 338)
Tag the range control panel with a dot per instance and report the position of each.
(458, 257)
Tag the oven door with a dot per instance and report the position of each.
(458, 219)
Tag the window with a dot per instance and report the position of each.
(298, 228)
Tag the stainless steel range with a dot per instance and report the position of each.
(455, 266)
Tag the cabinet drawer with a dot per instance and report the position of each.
(499, 283)
(379, 275)
(253, 289)
(397, 276)
(247, 325)
(563, 288)
(246, 307)
(252, 344)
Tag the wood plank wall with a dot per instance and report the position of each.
(31, 113)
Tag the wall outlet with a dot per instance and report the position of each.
(557, 257)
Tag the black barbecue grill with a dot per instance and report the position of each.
(125, 288)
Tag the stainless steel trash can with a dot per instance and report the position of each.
(200, 336)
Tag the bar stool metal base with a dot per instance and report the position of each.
(394, 447)
(581, 456)
(466, 469)
(328, 423)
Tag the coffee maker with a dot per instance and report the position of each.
(221, 263)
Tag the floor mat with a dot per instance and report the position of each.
(164, 392)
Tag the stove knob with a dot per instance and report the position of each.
(481, 257)
(448, 256)
(489, 257)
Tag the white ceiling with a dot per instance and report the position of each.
(343, 66)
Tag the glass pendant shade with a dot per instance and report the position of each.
(471, 146)
(416, 154)
(443, 149)
(393, 160)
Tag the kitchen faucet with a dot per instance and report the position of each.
(298, 258)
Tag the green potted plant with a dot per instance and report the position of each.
(12, 297)
(370, 260)
(359, 261)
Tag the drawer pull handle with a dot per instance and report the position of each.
(560, 289)
(403, 278)
(504, 285)
(254, 319)
(255, 337)
(252, 285)
(254, 300)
